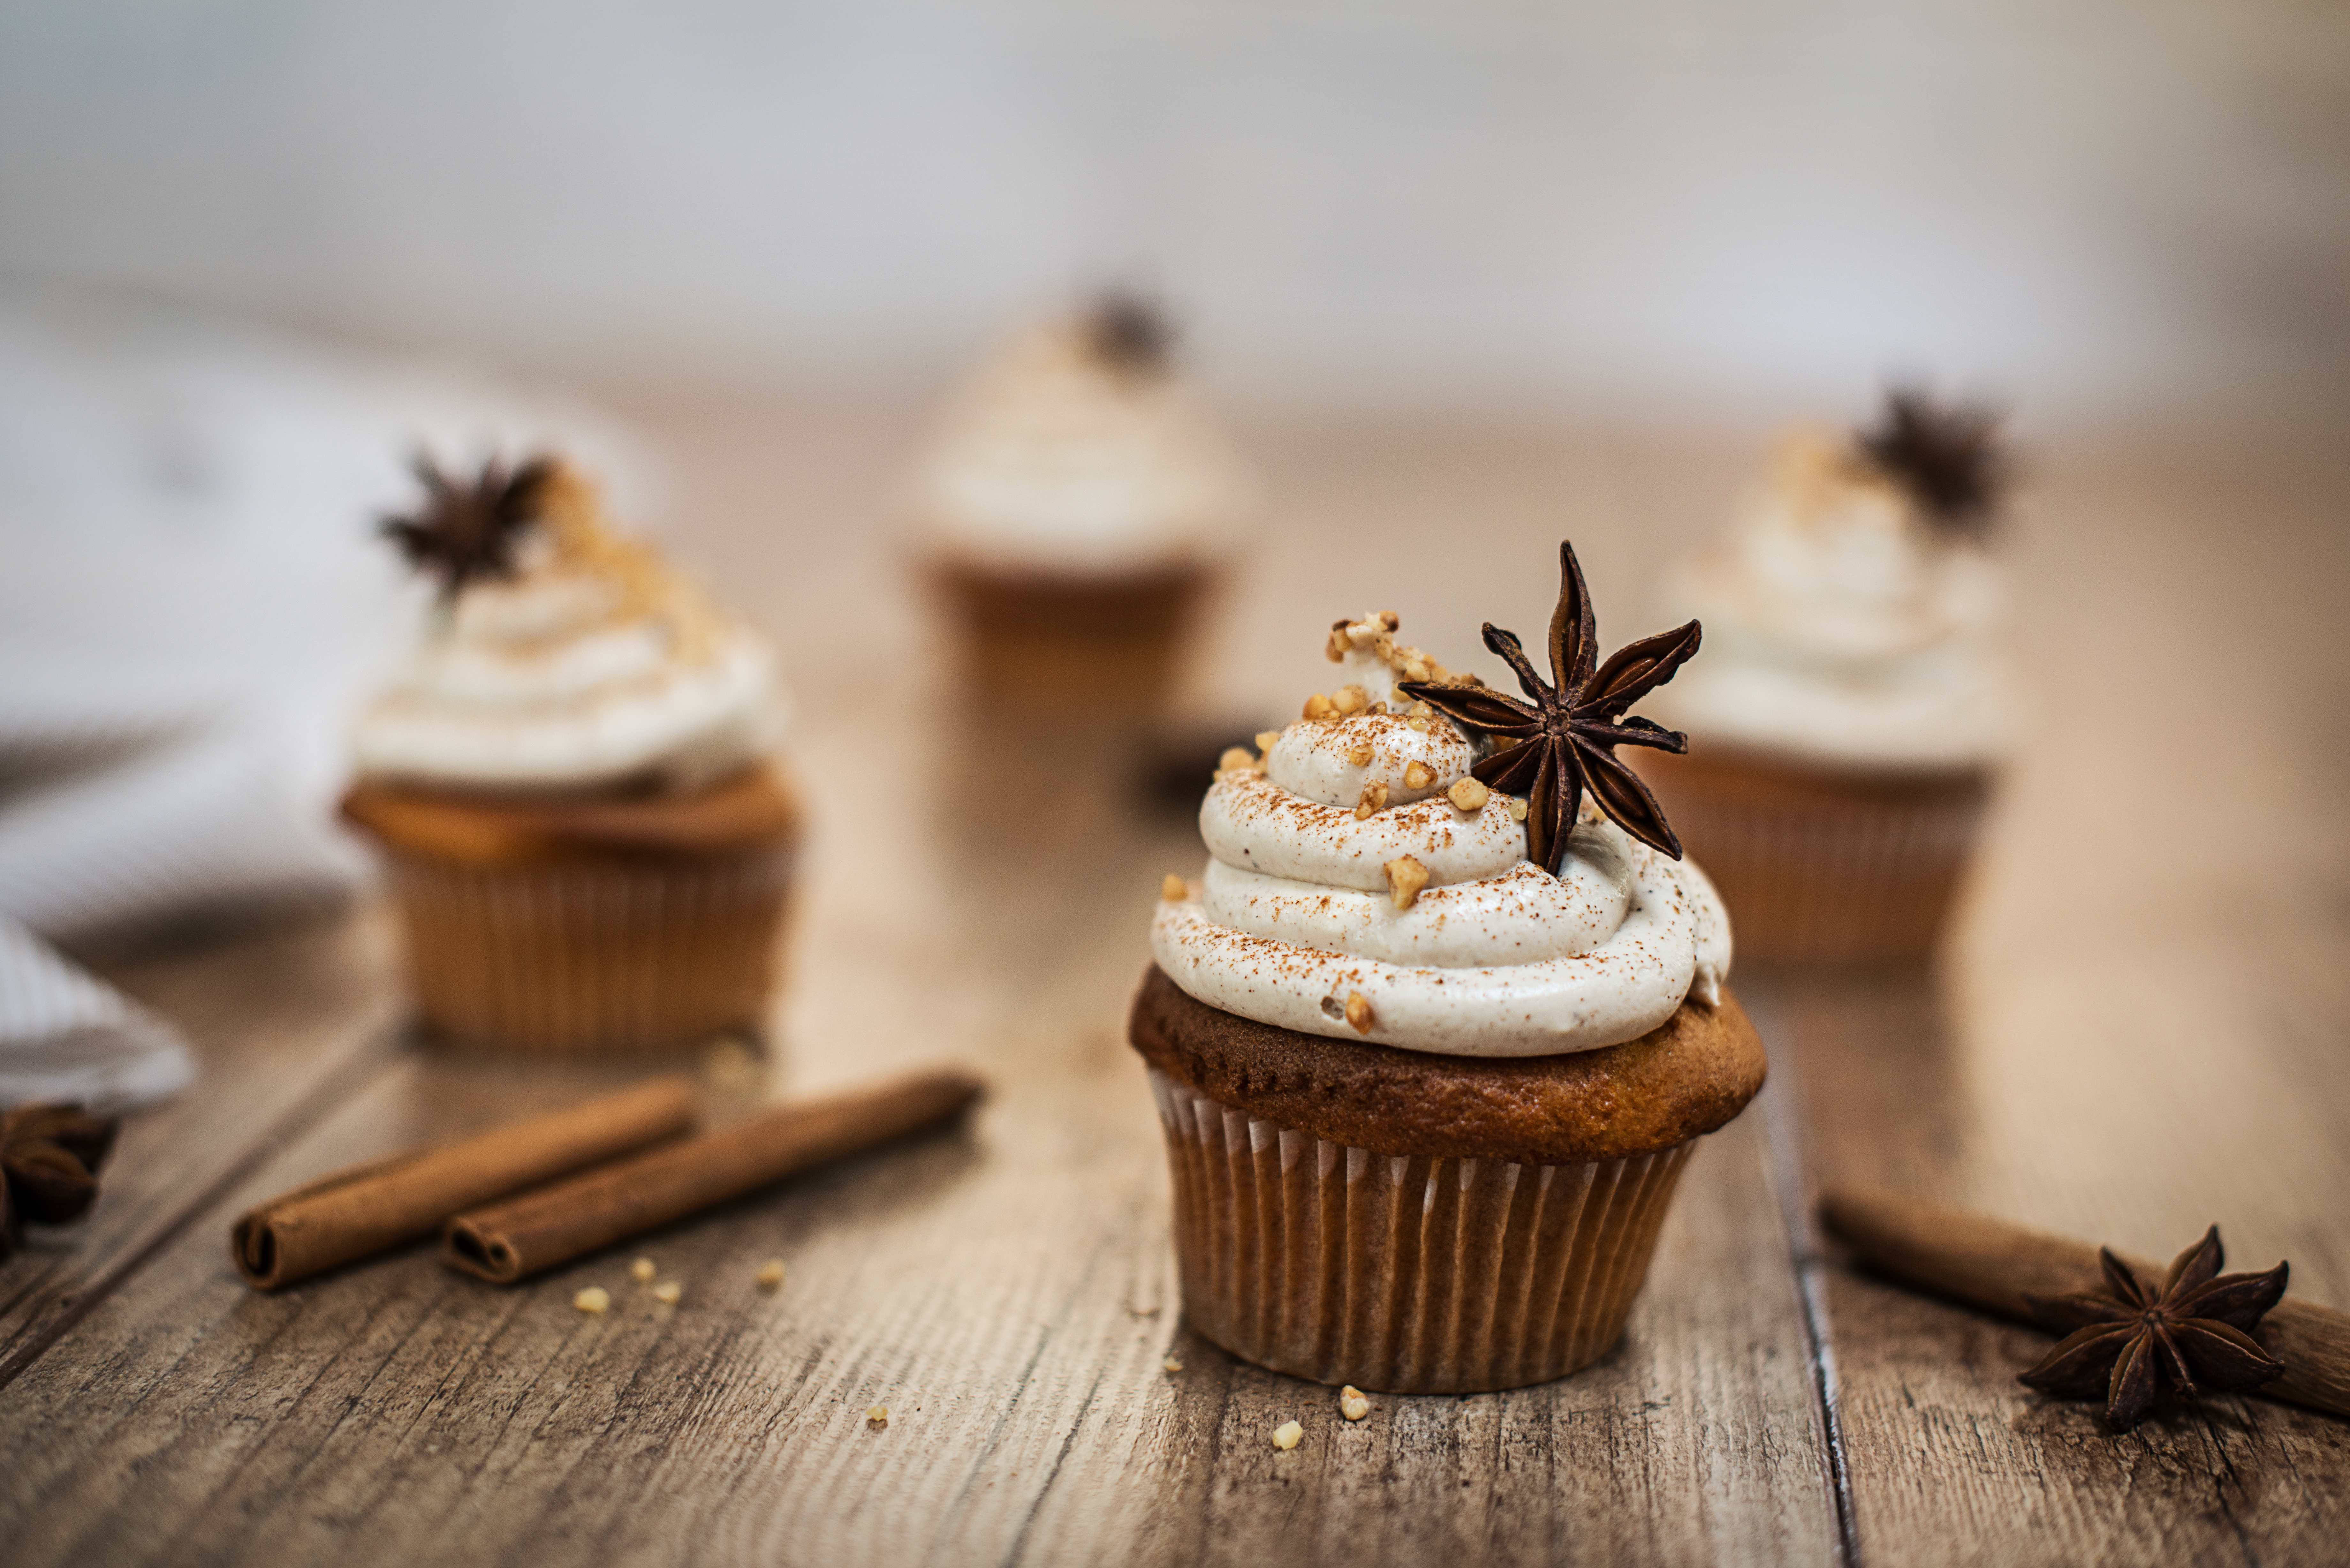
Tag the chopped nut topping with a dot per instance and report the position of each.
(1174, 889)
(1335, 650)
(1414, 669)
(1319, 707)
(770, 1277)
(1358, 1012)
(1235, 757)
(1350, 698)
(1405, 877)
(1374, 800)
(1468, 795)
(1418, 776)
(1265, 738)
(642, 1270)
(1363, 755)
(1517, 808)
(1419, 725)
(1352, 1403)
(878, 1416)
(1286, 1435)
(1170, 1364)
(669, 1291)
(594, 1299)
(1390, 619)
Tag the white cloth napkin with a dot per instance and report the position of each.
(192, 601)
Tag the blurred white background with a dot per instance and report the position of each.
(2111, 211)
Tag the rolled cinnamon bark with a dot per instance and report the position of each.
(372, 1207)
(513, 1241)
(1993, 1265)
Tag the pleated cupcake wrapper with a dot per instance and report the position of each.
(1824, 878)
(619, 955)
(1056, 653)
(1403, 1274)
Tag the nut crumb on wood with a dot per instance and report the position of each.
(669, 1291)
(1352, 1403)
(1468, 795)
(1405, 877)
(642, 1270)
(594, 1299)
(878, 1415)
(1171, 1364)
(1173, 889)
(1358, 1012)
(770, 1276)
(1287, 1435)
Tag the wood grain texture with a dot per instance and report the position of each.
(2136, 1032)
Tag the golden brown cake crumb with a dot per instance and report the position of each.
(594, 1299)
(878, 1416)
(1352, 1403)
(1286, 1435)
(642, 1270)
(770, 1277)
(1171, 1364)
(669, 1291)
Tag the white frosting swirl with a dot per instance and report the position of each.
(591, 666)
(1058, 460)
(1495, 957)
(1839, 627)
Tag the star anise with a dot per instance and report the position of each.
(1128, 333)
(466, 531)
(1565, 738)
(49, 1159)
(1946, 456)
(2130, 1341)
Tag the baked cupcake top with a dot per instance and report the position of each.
(1851, 612)
(1371, 875)
(1078, 451)
(562, 655)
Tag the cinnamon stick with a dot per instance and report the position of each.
(372, 1207)
(1993, 1265)
(511, 1241)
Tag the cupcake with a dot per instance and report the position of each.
(584, 836)
(1075, 512)
(1435, 1033)
(1848, 719)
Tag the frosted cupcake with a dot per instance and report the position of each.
(1852, 709)
(570, 783)
(1434, 1035)
(1075, 511)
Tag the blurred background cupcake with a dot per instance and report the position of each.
(583, 833)
(1076, 509)
(1851, 711)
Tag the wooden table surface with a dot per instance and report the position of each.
(2136, 1031)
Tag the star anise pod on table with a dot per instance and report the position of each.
(49, 1159)
(1564, 738)
(1130, 333)
(1945, 455)
(469, 530)
(2130, 1341)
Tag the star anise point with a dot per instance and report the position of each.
(468, 529)
(1945, 456)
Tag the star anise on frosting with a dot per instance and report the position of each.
(2130, 1341)
(469, 530)
(1562, 740)
(1130, 333)
(1946, 456)
(49, 1159)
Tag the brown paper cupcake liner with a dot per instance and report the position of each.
(1817, 869)
(1406, 1274)
(1044, 643)
(616, 953)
